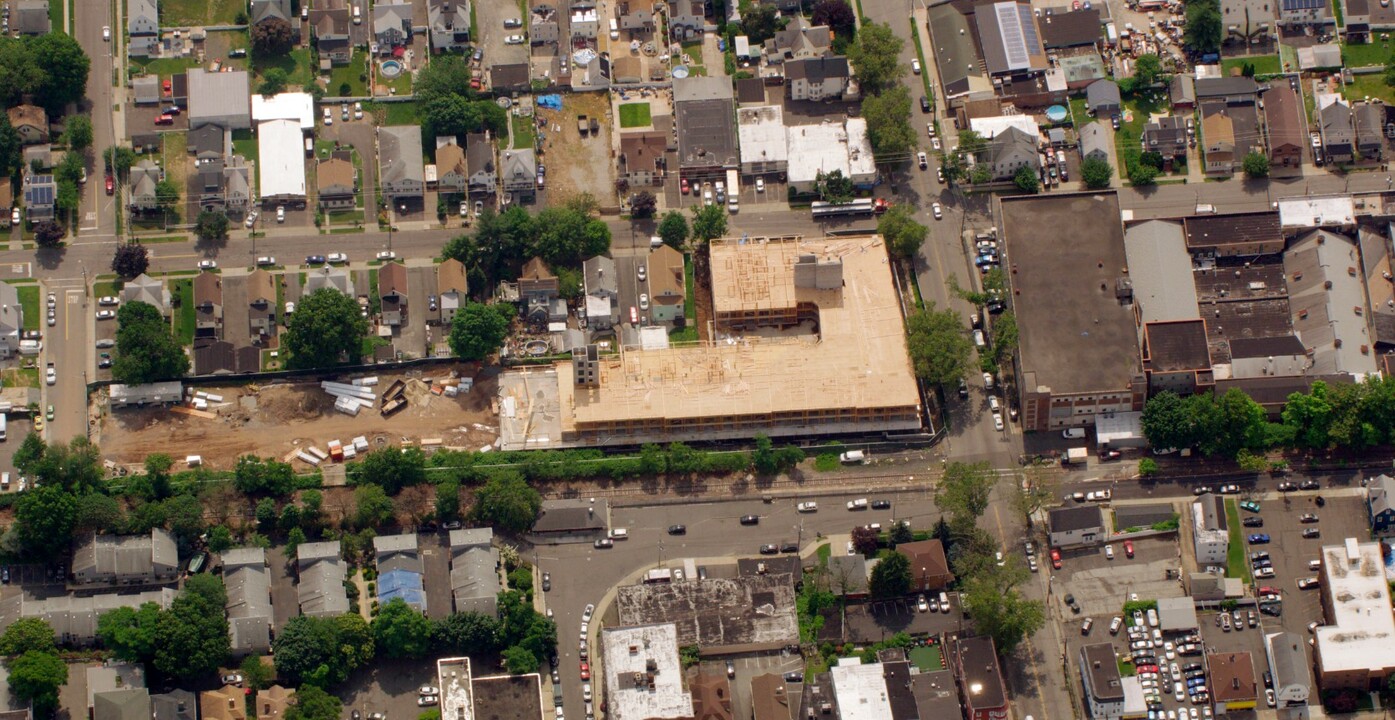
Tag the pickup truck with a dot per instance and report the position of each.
(581, 125)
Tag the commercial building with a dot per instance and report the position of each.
(956, 55)
(1356, 648)
(474, 571)
(764, 141)
(249, 600)
(1210, 531)
(704, 111)
(1233, 684)
(753, 613)
(1079, 525)
(499, 697)
(643, 680)
(321, 571)
(1328, 303)
(830, 147)
(1289, 666)
(861, 690)
(222, 99)
(838, 364)
(1177, 614)
(126, 559)
(936, 695)
(297, 106)
(571, 520)
(1070, 298)
(980, 680)
(1099, 674)
(281, 163)
(1007, 32)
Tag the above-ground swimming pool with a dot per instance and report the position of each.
(390, 68)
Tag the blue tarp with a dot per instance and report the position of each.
(551, 102)
(403, 584)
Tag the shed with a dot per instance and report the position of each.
(1177, 614)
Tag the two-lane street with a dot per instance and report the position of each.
(97, 213)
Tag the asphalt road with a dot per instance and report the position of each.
(97, 215)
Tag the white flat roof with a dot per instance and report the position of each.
(860, 148)
(826, 147)
(286, 106)
(761, 130)
(280, 159)
(1360, 632)
(861, 691)
(1314, 212)
(457, 692)
(628, 651)
(989, 127)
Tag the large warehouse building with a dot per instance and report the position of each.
(281, 166)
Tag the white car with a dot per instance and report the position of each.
(329, 117)
(104, 301)
(988, 381)
(760, 185)
(335, 258)
(586, 614)
(643, 301)
(922, 160)
(51, 376)
(921, 605)
(266, 261)
(428, 700)
(858, 504)
(251, 219)
(280, 213)
(807, 507)
(930, 129)
(937, 211)
(106, 314)
(515, 40)
(387, 255)
(358, 111)
(1109, 552)
(935, 143)
(106, 33)
(290, 307)
(208, 265)
(640, 272)
(427, 690)
(998, 422)
(915, 66)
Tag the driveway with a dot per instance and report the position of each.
(411, 337)
(285, 601)
(490, 17)
(435, 555)
(236, 313)
(360, 135)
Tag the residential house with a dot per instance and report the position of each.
(538, 282)
(1233, 90)
(177, 704)
(237, 189)
(642, 157)
(1218, 133)
(1338, 138)
(400, 570)
(602, 292)
(1294, 13)
(392, 293)
(127, 703)
(518, 173)
(11, 321)
(333, 278)
(1244, 19)
(1181, 91)
(211, 182)
(1094, 142)
(975, 661)
(331, 28)
(208, 305)
(248, 582)
(1234, 688)
(479, 159)
(31, 17)
(392, 25)
(451, 288)
(38, 158)
(1102, 98)
(126, 559)
(263, 10)
(929, 566)
(226, 703)
(636, 17)
(261, 301)
(1104, 688)
(1210, 530)
(1380, 504)
(143, 26)
(474, 571)
(798, 40)
(847, 575)
(1369, 122)
(336, 181)
(584, 21)
(449, 23)
(148, 290)
(40, 196)
(401, 172)
(542, 24)
(667, 285)
(145, 90)
(1011, 150)
(273, 702)
(1078, 525)
(686, 19)
(31, 122)
(452, 171)
(1283, 116)
(143, 177)
(818, 78)
(321, 571)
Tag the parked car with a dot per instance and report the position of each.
(1311, 533)
(1307, 518)
(208, 264)
(750, 519)
(604, 543)
(677, 529)
(1258, 539)
(807, 507)
(1253, 521)
(104, 301)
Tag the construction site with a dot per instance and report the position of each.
(307, 423)
(809, 340)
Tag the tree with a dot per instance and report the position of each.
(325, 328)
(904, 235)
(266, 515)
(478, 330)
(458, 115)
(220, 539)
(1036, 490)
(78, 133)
(568, 235)
(1239, 423)
(75, 467)
(64, 70)
(1146, 71)
(1310, 416)
(467, 633)
(709, 222)
(1004, 336)
(167, 194)
(889, 130)
(940, 349)
(35, 677)
(769, 461)
(1168, 421)
(400, 631)
(1141, 175)
(191, 639)
(1152, 159)
(354, 640)
(445, 75)
(865, 540)
(901, 532)
(1256, 165)
(212, 226)
(308, 651)
(30, 453)
(448, 500)
(392, 468)
(27, 634)
(507, 501)
(49, 234)
(130, 260)
(760, 22)
(837, 15)
(44, 519)
(118, 159)
(256, 672)
(642, 205)
(10, 147)
(999, 610)
(146, 349)
(875, 55)
(518, 660)
(891, 577)
(157, 471)
(130, 632)
(972, 143)
(372, 506)
(1203, 32)
(1096, 172)
(98, 513)
(273, 36)
(313, 703)
(1026, 180)
(673, 229)
(833, 187)
(964, 491)
(253, 475)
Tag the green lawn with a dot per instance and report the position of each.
(55, 16)
(29, 301)
(928, 658)
(167, 66)
(1376, 53)
(1137, 108)
(1236, 566)
(103, 288)
(353, 75)
(1364, 86)
(1264, 64)
(394, 113)
(200, 12)
(245, 145)
(400, 85)
(634, 115)
(182, 292)
(521, 135)
(296, 65)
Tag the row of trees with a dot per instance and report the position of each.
(36, 671)
(501, 243)
(187, 641)
(886, 102)
(51, 69)
(146, 349)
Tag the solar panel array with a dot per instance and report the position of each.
(1010, 30)
(40, 191)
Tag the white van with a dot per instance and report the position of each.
(358, 16)
(1073, 433)
(619, 534)
(655, 242)
(853, 456)
(614, 29)
(978, 339)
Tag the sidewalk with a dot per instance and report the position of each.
(949, 135)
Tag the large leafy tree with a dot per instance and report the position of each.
(458, 115)
(400, 631)
(875, 55)
(891, 577)
(467, 633)
(1026, 180)
(10, 144)
(192, 638)
(903, 234)
(272, 37)
(372, 506)
(445, 75)
(1256, 165)
(837, 15)
(44, 519)
(27, 634)
(130, 632)
(709, 222)
(889, 130)
(146, 350)
(507, 501)
(313, 703)
(964, 491)
(49, 234)
(307, 652)
(1146, 70)
(212, 226)
(325, 327)
(130, 259)
(24, 73)
(392, 468)
(76, 467)
(65, 69)
(760, 22)
(940, 349)
(253, 476)
(673, 229)
(1096, 173)
(1203, 32)
(78, 132)
(834, 187)
(567, 235)
(478, 330)
(992, 597)
(35, 677)
(1310, 416)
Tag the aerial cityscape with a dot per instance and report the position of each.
(646, 360)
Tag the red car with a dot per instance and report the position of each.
(585, 671)
(1128, 548)
(111, 185)
(169, 88)
(164, 120)
(683, 186)
(1055, 558)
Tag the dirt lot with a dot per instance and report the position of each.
(279, 419)
(576, 164)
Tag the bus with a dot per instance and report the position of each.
(864, 206)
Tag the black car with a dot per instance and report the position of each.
(1312, 533)
(794, 676)
(4, 575)
(1253, 522)
(1309, 485)
(769, 549)
(963, 388)
(677, 530)
(1287, 487)
(789, 548)
(881, 504)
(750, 519)
(1114, 120)
(315, 260)
(547, 582)
(924, 104)
(1268, 679)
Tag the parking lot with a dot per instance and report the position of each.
(1101, 586)
(491, 17)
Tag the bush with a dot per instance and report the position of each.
(1172, 524)
(1147, 467)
